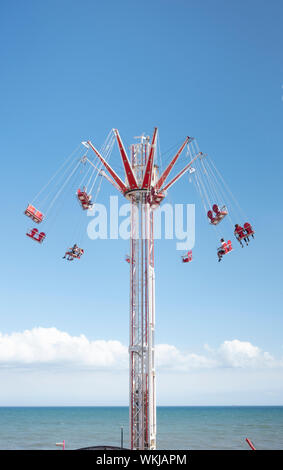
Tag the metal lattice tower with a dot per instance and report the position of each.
(145, 190)
(142, 310)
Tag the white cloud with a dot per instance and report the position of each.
(51, 346)
(169, 357)
(237, 353)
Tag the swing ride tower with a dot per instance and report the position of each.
(145, 190)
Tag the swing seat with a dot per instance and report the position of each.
(34, 235)
(249, 229)
(226, 247)
(240, 236)
(219, 214)
(74, 255)
(156, 199)
(84, 199)
(34, 214)
(188, 257)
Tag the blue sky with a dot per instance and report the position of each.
(73, 70)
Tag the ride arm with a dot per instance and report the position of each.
(149, 165)
(102, 173)
(110, 170)
(178, 176)
(166, 172)
(127, 166)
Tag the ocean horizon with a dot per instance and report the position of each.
(178, 427)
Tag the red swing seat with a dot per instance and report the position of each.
(188, 257)
(219, 214)
(226, 247)
(156, 199)
(249, 229)
(240, 234)
(34, 235)
(34, 214)
(84, 199)
(74, 255)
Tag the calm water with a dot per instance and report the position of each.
(178, 427)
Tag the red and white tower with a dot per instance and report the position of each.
(145, 189)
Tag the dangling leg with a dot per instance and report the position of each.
(239, 240)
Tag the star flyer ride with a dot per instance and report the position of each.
(145, 186)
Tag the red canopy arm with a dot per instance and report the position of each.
(114, 175)
(149, 165)
(166, 172)
(128, 168)
(180, 173)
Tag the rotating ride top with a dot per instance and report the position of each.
(145, 188)
(208, 181)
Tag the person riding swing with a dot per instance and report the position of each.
(221, 251)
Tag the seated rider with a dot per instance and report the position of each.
(89, 202)
(239, 234)
(74, 251)
(221, 250)
(249, 230)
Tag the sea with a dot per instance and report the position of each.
(183, 428)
